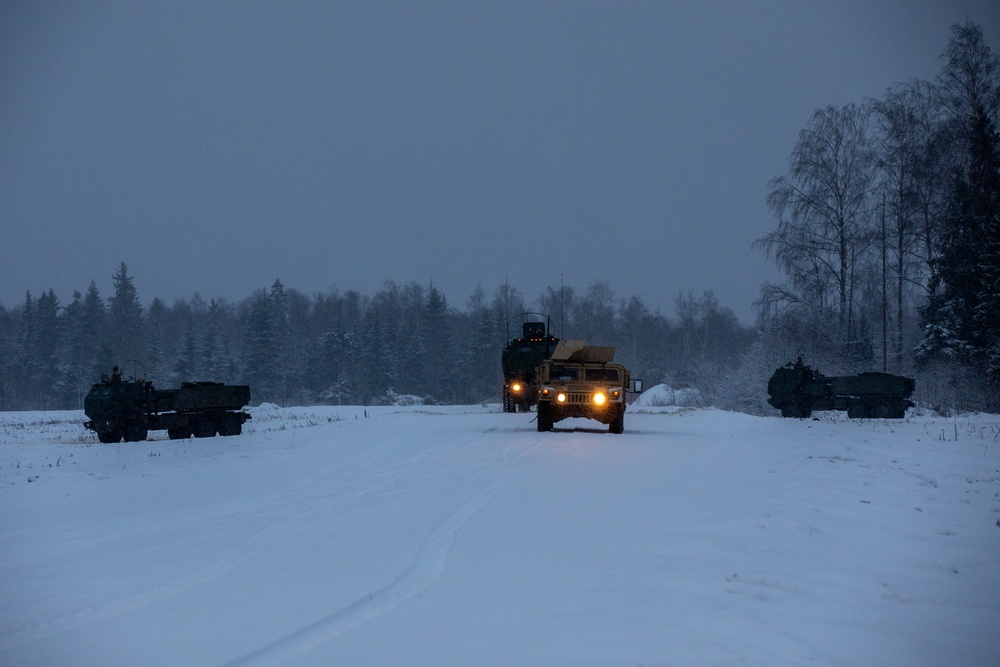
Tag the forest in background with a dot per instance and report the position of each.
(888, 235)
(405, 343)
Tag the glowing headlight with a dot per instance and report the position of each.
(545, 392)
(516, 386)
(561, 398)
(600, 398)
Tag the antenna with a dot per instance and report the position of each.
(506, 302)
(562, 308)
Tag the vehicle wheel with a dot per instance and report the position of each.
(796, 410)
(109, 437)
(508, 401)
(230, 425)
(617, 424)
(544, 418)
(857, 410)
(135, 433)
(881, 410)
(205, 428)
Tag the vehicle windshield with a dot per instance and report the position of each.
(602, 374)
(563, 374)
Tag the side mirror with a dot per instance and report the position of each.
(635, 386)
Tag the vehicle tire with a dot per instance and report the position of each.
(881, 410)
(796, 410)
(230, 425)
(508, 401)
(204, 428)
(544, 417)
(617, 424)
(109, 437)
(135, 433)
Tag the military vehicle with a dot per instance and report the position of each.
(519, 360)
(128, 409)
(797, 390)
(580, 380)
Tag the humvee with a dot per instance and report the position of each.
(580, 380)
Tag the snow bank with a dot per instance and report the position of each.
(663, 395)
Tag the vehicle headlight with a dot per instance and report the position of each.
(516, 387)
(546, 391)
(561, 397)
(600, 398)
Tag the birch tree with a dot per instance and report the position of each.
(823, 211)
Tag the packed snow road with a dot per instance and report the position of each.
(461, 536)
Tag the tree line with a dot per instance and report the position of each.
(404, 343)
(888, 235)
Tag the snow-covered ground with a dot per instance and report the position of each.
(461, 536)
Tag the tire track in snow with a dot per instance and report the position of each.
(425, 571)
(281, 504)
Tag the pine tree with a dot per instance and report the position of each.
(156, 324)
(93, 328)
(125, 319)
(480, 369)
(260, 351)
(437, 339)
(187, 366)
(73, 371)
(43, 348)
(960, 318)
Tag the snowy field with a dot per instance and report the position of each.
(461, 536)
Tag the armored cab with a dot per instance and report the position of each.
(580, 380)
(519, 360)
(797, 390)
(128, 409)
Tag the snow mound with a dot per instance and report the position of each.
(663, 395)
(402, 400)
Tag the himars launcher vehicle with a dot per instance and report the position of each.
(797, 390)
(520, 358)
(128, 409)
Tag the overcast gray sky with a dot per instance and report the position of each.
(216, 146)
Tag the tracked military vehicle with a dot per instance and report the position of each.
(128, 409)
(519, 360)
(580, 380)
(797, 390)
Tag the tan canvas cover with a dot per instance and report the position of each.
(578, 350)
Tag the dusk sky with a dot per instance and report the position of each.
(217, 146)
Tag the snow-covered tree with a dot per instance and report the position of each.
(823, 209)
(125, 319)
